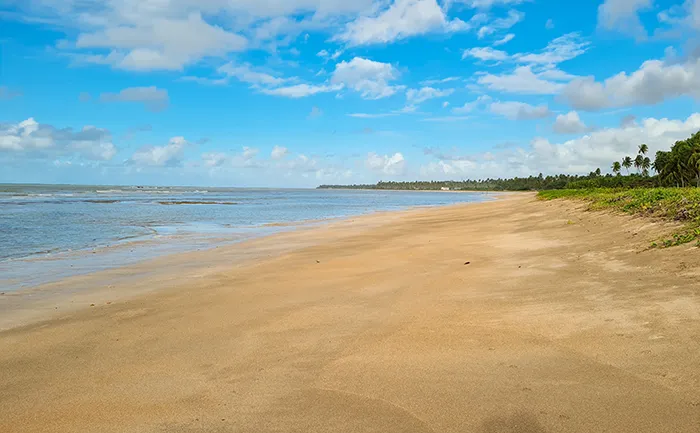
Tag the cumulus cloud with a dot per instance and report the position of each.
(480, 102)
(153, 98)
(654, 82)
(214, 159)
(250, 152)
(519, 110)
(416, 96)
(485, 54)
(393, 165)
(402, 19)
(171, 35)
(159, 43)
(569, 123)
(623, 16)
(33, 139)
(168, 155)
(279, 152)
(580, 155)
(369, 78)
(246, 74)
(523, 81)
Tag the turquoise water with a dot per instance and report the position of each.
(43, 224)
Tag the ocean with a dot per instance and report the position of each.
(48, 232)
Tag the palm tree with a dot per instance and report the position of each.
(616, 167)
(643, 149)
(638, 162)
(695, 165)
(646, 164)
(627, 163)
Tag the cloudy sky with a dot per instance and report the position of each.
(303, 92)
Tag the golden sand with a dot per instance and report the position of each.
(561, 322)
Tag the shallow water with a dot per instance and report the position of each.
(53, 231)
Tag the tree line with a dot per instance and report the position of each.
(678, 167)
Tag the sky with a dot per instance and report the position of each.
(297, 93)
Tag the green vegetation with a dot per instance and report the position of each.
(679, 204)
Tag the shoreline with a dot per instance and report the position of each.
(41, 268)
(55, 298)
(503, 315)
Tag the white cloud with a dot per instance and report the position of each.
(402, 19)
(153, 98)
(33, 139)
(249, 152)
(393, 165)
(440, 81)
(301, 90)
(161, 156)
(549, 25)
(487, 4)
(580, 155)
(480, 102)
(519, 110)
(496, 25)
(558, 50)
(445, 104)
(623, 16)
(159, 43)
(654, 82)
(425, 93)
(504, 40)
(214, 159)
(246, 74)
(485, 54)
(369, 78)
(279, 152)
(569, 123)
(173, 34)
(522, 81)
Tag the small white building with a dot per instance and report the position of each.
(444, 188)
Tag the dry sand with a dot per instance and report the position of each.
(560, 323)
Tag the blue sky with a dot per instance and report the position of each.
(303, 92)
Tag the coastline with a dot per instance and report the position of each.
(65, 295)
(481, 317)
(133, 226)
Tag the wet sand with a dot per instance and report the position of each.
(561, 322)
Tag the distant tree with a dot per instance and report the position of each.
(627, 163)
(643, 149)
(639, 162)
(597, 171)
(661, 161)
(616, 167)
(646, 164)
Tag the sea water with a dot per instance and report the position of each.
(49, 232)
